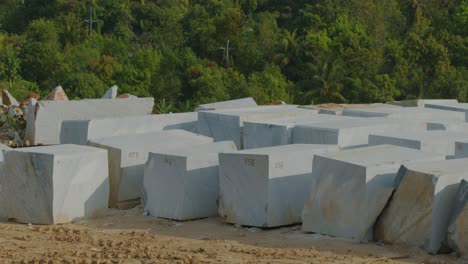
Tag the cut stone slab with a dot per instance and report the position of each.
(182, 184)
(440, 142)
(228, 124)
(458, 228)
(460, 108)
(422, 102)
(8, 99)
(45, 117)
(2, 181)
(420, 209)
(128, 154)
(350, 189)
(81, 131)
(266, 187)
(57, 94)
(405, 113)
(111, 93)
(55, 184)
(346, 133)
(238, 103)
(337, 109)
(276, 132)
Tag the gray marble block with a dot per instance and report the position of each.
(440, 142)
(228, 124)
(406, 113)
(350, 189)
(237, 103)
(128, 154)
(277, 132)
(266, 187)
(461, 108)
(182, 184)
(344, 133)
(458, 228)
(423, 203)
(81, 131)
(45, 117)
(54, 184)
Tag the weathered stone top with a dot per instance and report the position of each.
(260, 110)
(150, 140)
(194, 151)
(442, 167)
(66, 149)
(381, 155)
(350, 123)
(404, 113)
(291, 148)
(425, 135)
(302, 119)
(244, 102)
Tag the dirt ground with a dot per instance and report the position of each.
(126, 236)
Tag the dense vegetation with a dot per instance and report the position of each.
(187, 52)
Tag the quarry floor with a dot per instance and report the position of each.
(126, 236)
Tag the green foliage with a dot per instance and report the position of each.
(296, 51)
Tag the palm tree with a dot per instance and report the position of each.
(327, 81)
(289, 49)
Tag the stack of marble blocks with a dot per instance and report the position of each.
(390, 173)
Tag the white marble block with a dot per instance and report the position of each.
(266, 187)
(344, 133)
(461, 108)
(350, 188)
(81, 131)
(228, 124)
(45, 117)
(422, 102)
(440, 142)
(2, 205)
(128, 154)
(406, 113)
(55, 184)
(277, 132)
(111, 93)
(182, 184)
(237, 103)
(420, 209)
(458, 228)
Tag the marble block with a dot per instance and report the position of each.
(406, 113)
(344, 133)
(276, 132)
(419, 211)
(128, 154)
(458, 228)
(228, 124)
(55, 184)
(350, 188)
(182, 184)
(266, 187)
(81, 131)
(422, 102)
(461, 108)
(111, 93)
(237, 103)
(45, 117)
(440, 142)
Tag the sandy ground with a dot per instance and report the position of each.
(126, 236)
